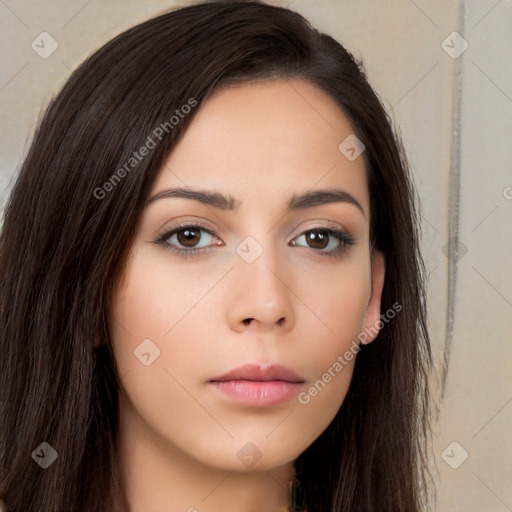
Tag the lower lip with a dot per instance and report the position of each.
(258, 393)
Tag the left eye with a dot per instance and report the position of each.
(322, 239)
(184, 239)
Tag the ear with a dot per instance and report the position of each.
(371, 324)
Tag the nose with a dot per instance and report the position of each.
(261, 297)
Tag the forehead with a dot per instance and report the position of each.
(277, 136)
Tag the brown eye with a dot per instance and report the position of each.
(188, 237)
(320, 239)
(185, 240)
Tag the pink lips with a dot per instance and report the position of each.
(259, 385)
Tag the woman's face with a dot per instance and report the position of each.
(247, 295)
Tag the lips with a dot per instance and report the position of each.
(256, 385)
(261, 373)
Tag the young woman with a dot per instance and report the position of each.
(212, 296)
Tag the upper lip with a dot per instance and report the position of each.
(262, 373)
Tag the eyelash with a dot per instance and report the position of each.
(345, 238)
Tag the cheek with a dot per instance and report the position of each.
(337, 300)
(153, 299)
(340, 306)
(156, 321)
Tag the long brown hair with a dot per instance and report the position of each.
(63, 247)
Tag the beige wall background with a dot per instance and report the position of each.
(443, 69)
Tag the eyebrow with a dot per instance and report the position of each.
(229, 203)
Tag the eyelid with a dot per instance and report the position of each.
(329, 224)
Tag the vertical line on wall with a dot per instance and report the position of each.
(454, 198)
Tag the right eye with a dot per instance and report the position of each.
(183, 239)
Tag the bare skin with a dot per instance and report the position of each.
(260, 143)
